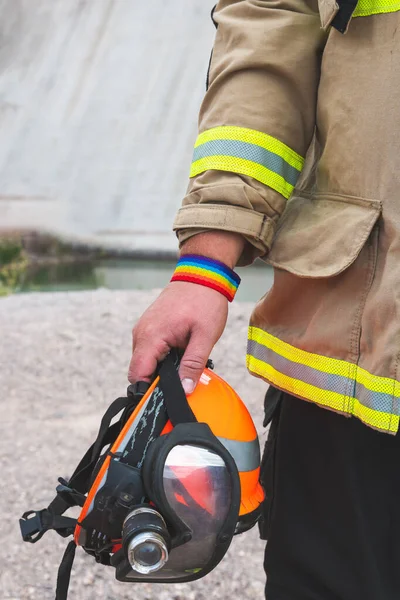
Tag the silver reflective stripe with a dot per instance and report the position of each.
(245, 454)
(248, 151)
(340, 384)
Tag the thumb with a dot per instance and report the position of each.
(193, 362)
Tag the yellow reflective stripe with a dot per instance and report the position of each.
(243, 134)
(248, 152)
(242, 167)
(296, 386)
(327, 398)
(325, 364)
(317, 361)
(378, 384)
(378, 420)
(366, 8)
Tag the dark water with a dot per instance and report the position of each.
(131, 275)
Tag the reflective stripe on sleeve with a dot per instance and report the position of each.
(365, 8)
(336, 384)
(248, 152)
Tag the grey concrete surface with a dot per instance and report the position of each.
(63, 359)
(98, 115)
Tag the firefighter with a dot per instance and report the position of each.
(297, 162)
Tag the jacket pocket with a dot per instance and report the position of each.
(322, 235)
(328, 9)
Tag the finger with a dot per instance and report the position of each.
(194, 361)
(145, 358)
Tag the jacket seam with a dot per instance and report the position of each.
(357, 326)
(208, 186)
(261, 219)
(366, 202)
(220, 206)
(242, 230)
(264, 223)
(243, 185)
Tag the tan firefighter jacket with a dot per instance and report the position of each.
(299, 151)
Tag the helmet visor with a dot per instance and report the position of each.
(198, 488)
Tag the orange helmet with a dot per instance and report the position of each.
(214, 402)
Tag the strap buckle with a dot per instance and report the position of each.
(32, 525)
(35, 523)
(69, 495)
(137, 390)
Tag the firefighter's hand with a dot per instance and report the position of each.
(187, 316)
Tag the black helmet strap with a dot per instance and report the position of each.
(72, 493)
(178, 408)
(64, 571)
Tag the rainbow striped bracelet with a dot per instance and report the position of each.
(208, 272)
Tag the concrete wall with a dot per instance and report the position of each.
(98, 111)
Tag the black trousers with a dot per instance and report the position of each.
(332, 516)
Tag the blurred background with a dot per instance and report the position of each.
(98, 117)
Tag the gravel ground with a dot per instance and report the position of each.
(63, 359)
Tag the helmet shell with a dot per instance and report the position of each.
(216, 403)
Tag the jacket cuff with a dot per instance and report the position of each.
(257, 228)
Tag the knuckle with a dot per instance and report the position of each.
(141, 334)
(193, 363)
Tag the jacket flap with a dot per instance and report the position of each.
(327, 10)
(321, 236)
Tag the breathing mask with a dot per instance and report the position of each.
(164, 487)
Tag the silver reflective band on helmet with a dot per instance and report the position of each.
(147, 552)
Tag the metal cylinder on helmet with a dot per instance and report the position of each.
(145, 539)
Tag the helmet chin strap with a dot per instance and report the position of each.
(64, 571)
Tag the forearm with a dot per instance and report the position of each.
(220, 245)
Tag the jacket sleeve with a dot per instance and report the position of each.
(256, 121)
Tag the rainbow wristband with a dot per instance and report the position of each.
(208, 272)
